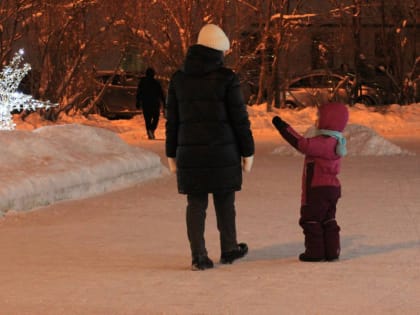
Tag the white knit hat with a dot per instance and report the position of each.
(213, 36)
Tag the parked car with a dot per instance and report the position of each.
(118, 100)
(383, 83)
(318, 87)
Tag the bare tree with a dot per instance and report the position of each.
(65, 37)
(164, 29)
(13, 15)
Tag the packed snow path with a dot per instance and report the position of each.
(126, 252)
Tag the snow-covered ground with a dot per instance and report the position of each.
(117, 244)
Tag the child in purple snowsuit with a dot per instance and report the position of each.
(321, 188)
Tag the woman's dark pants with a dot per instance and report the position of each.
(224, 204)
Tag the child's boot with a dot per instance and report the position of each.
(332, 240)
(314, 242)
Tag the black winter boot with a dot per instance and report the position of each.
(201, 263)
(231, 256)
(150, 134)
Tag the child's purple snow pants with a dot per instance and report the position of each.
(317, 218)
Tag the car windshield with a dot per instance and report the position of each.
(316, 81)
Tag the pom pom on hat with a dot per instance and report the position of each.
(213, 36)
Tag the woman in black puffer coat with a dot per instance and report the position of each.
(208, 142)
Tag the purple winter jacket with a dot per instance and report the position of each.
(322, 164)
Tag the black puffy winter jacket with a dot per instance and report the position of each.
(207, 127)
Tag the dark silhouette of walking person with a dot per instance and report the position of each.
(208, 143)
(150, 97)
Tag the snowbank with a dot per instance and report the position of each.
(70, 161)
(392, 120)
(361, 141)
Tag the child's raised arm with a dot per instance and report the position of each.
(286, 132)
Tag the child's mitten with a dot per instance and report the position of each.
(279, 123)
